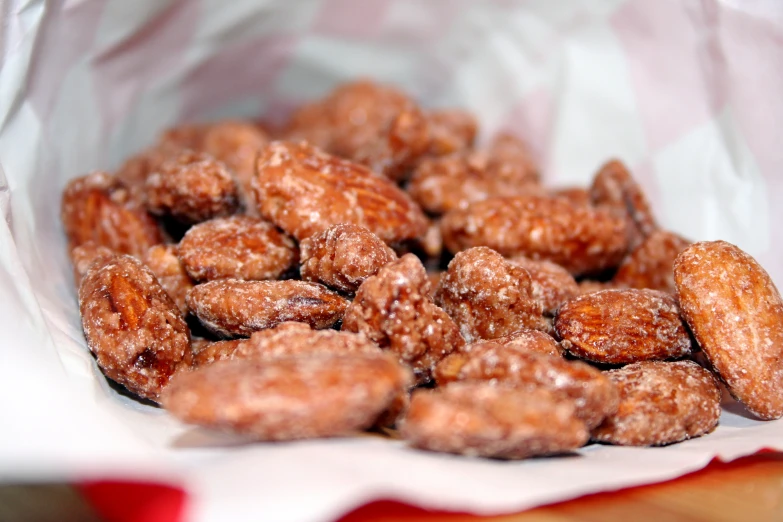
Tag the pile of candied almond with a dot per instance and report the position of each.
(369, 267)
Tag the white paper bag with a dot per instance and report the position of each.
(688, 93)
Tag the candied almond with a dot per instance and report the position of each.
(661, 403)
(132, 326)
(207, 352)
(488, 296)
(191, 187)
(305, 191)
(579, 238)
(99, 208)
(551, 283)
(623, 326)
(343, 256)
(236, 247)
(394, 309)
(593, 394)
(164, 263)
(451, 130)
(84, 255)
(236, 144)
(290, 398)
(614, 188)
(231, 307)
(736, 315)
(479, 419)
(298, 339)
(651, 264)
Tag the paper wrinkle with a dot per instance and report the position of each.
(566, 76)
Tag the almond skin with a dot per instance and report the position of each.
(736, 315)
(623, 326)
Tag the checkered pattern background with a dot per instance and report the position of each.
(687, 92)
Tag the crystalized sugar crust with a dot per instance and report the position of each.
(305, 191)
(488, 296)
(593, 394)
(289, 398)
(230, 307)
(237, 247)
(479, 419)
(394, 309)
(579, 238)
(132, 326)
(551, 284)
(192, 187)
(164, 263)
(661, 403)
(298, 339)
(343, 256)
(736, 314)
(623, 326)
(99, 208)
(650, 265)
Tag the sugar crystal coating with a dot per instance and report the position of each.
(479, 419)
(488, 296)
(661, 403)
(288, 398)
(237, 247)
(231, 307)
(394, 309)
(304, 191)
(581, 239)
(132, 326)
(736, 314)
(343, 256)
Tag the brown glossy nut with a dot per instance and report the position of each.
(445, 183)
(132, 326)
(593, 394)
(487, 296)
(172, 142)
(399, 147)
(164, 263)
(451, 130)
(479, 419)
(661, 403)
(350, 118)
(192, 187)
(288, 398)
(736, 314)
(207, 352)
(230, 307)
(394, 309)
(236, 144)
(236, 247)
(579, 238)
(99, 208)
(551, 284)
(305, 191)
(623, 326)
(343, 256)
(509, 158)
(84, 255)
(650, 265)
(614, 188)
(574, 195)
(298, 339)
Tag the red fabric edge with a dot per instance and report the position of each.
(125, 501)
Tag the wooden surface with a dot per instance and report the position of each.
(750, 489)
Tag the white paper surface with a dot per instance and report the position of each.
(687, 93)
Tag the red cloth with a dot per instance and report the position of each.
(119, 501)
